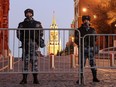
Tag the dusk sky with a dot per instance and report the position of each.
(43, 11)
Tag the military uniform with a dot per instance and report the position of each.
(89, 43)
(31, 41)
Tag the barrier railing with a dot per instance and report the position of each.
(56, 57)
(101, 53)
(60, 54)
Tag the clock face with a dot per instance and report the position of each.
(54, 36)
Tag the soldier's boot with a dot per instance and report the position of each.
(81, 80)
(77, 81)
(94, 73)
(35, 79)
(24, 80)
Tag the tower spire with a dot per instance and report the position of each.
(53, 25)
(54, 44)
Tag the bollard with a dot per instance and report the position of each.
(75, 50)
(112, 59)
(76, 54)
(52, 65)
(72, 57)
(11, 61)
(76, 60)
(5, 54)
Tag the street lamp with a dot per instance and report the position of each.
(84, 9)
(94, 16)
(115, 25)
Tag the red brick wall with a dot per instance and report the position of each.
(4, 10)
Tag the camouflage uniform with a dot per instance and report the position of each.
(30, 43)
(30, 55)
(31, 40)
(89, 44)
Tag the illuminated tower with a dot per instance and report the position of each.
(54, 44)
(71, 32)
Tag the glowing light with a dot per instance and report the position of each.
(94, 16)
(84, 9)
(115, 25)
(72, 39)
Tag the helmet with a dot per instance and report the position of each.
(28, 10)
(86, 17)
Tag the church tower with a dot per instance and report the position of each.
(54, 45)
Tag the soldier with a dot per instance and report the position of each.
(89, 43)
(30, 42)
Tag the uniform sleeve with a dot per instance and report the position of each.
(20, 32)
(39, 25)
(76, 34)
(20, 25)
(94, 32)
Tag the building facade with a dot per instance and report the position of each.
(83, 7)
(4, 11)
(86, 7)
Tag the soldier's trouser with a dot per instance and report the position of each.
(30, 56)
(88, 53)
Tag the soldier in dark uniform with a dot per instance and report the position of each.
(30, 39)
(89, 43)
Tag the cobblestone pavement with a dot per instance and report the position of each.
(107, 79)
(107, 76)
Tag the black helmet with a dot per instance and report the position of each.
(29, 10)
(86, 17)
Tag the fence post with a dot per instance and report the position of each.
(76, 55)
(81, 62)
(52, 60)
(111, 59)
(72, 57)
(11, 61)
(5, 53)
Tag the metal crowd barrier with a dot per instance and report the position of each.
(105, 58)
(57, 56)
(53, 58)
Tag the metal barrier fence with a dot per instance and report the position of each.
(60, 54)
(101, 54)
(56, 57)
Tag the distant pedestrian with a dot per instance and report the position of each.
(70, 47)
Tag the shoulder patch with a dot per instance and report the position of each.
(38, 25)
(20, 25)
